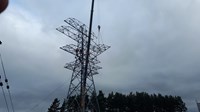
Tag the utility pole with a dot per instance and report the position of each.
(81, 96)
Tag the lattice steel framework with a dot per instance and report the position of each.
(81, 95)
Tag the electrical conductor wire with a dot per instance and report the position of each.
(6, 80)
(4, 95)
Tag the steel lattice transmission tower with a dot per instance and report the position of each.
(81, 95)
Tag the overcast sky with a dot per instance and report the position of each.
(154, 48)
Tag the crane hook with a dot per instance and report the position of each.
(99, 28)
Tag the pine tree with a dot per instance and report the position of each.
(102, 101)
(54, 106)
(118, 102)
(62, 108)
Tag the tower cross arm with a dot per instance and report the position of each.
(70, 49)
(70, 32)
(98, 49)
(72, 66)
(77, 25)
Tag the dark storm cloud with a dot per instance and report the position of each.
(154, 47)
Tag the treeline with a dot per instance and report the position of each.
(132, 102)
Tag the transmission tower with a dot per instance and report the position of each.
(81, 96)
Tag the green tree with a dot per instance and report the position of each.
(118, 102)
(54, 106)
(131, 101)
(110, 102)
(180, 105)
(73, 104)
(63, 107)
(102, 101)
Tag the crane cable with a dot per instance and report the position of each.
(100, 39)
(7, 86)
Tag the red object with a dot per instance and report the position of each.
(3, 5)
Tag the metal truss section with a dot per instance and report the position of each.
(69, 31)
(74, 66)
(77, 25)
(70, 48)
(98, 49)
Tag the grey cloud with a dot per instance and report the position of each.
(154, 47)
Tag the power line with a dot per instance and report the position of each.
(47, 96)
(6, 80)
(1, 84)
(7, 85)
(11, 100)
